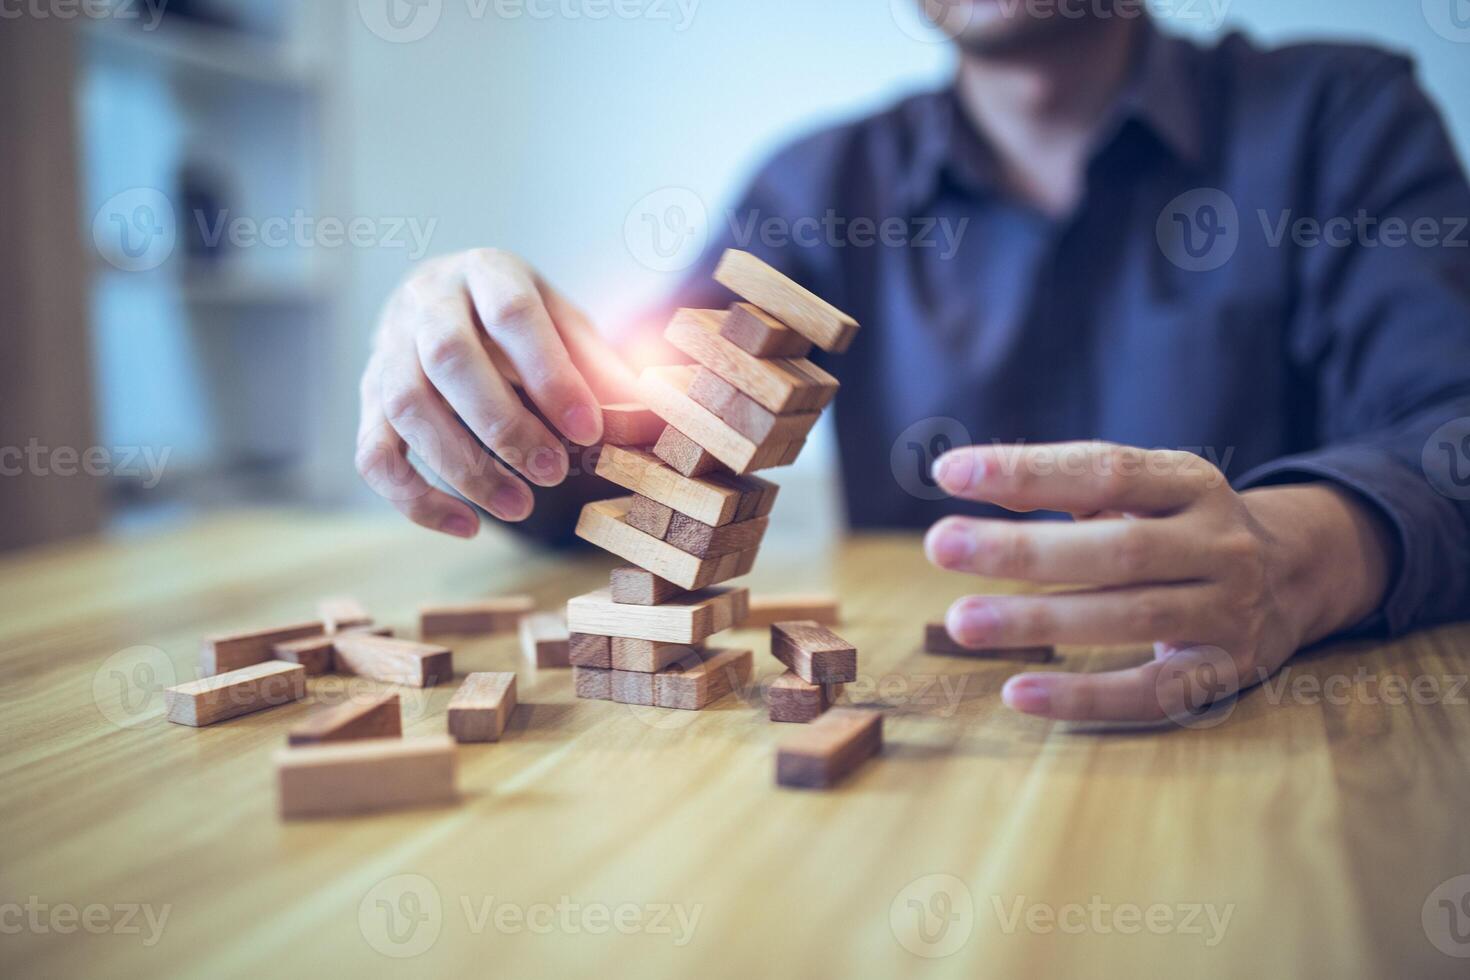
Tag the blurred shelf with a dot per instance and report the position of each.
(201, 52)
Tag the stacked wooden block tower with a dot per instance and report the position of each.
(696, 514)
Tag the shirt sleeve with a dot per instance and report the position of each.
(1382, 337)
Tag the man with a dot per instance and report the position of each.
(1133, 267)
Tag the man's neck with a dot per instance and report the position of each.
(1039, 109)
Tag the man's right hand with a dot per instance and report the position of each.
(454, 342)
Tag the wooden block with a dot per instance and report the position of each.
(630, 424)
(793, 699)
(938, 640)
(342, 612)
(783, 385)
(234, 693)
(746, 415)
(757, 503)
(545, 641)
(592, 683)
(755, 331)
(797, 307)
(589, 650)
(603, 523)
(818, 655)
(378, 716)
(344, 778)
(666, 390)
(314, 653)
(481, 708)
(697, 682)
(639, 587)
(789, 454)
(684, 454)
(648, 656)
(701, 540)
(497, 614)
(765, 609)
(650, 516)
(822, 753)
(236, 650)
(690, 618)
(384, 658)
(629, 687)
(714, 499)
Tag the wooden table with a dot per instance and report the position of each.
(1295, 834)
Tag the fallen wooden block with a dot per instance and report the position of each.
(589, 650)
(704, 541)
(592, 683)
(689, 619)
(498, 614)
(342, 612)
(793, 699)
(344, 778)
(380, 716)
(481, 708)
(818, 655)
(647, 656)
(314, 653)
(384, 658)
(630, 424)
(781, 385)
(666, 389)
(684, 454)
(603, 523)
(746, 415)
(755, 331)
(824, 752)
(234, 693)
(765, 609)
(716, 499)
(236, 650)
(545, 641)
(650, 516)
(698, 681)
(629, 687)
(938, 640)
(797, 307)
(640, 587)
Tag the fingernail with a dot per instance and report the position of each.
(973, 622)
(953, 546)
(1028, 694)
(509, 503)
(954, 471)
(459, 526)
(581, 424)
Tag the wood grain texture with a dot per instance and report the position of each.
(650, 516)
(371, 716)
(647, 656)
(316, 654)
(826, 751)
(391, 660)
(592, 683)
(822, 608)
(697, 681)
(666, 391)
(687, 457)
(799, 308)
(703, 541)
(234, 693)
(235, 650)
(630, 424)
(639, 587)
(818, 655)
(746, 415)
(589, 650)
(481, 708)
(690, 618)
(937, 640)
(781, 385)
(604, 524)
(349, 778)
(794, 700)
(715, 499)
(631, 687)
(756, 332)
(495, 614)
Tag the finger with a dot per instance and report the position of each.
(383, 463)
(435, 435)
(1146, 614)
(455, 361)
(1178, 688)
(611, 377)
(1076, 477)
(514, 315)
(1097, 552)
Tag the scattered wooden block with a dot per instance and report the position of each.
(716, 499)
(629, 687)
(689, 619)
(648, 656)
(589, 650)
(703, 541)
(498, 614)
(666, 389)
(640, 587)
(684, 454)
(799, 308)
(699, 681)
(342, 612)
(545, 641)
(592, 683)
(234, 693)
(236, 650)
(380, 716)
(314, 653)
(343, 778)
(630, 424)
(650, 516)
(793, 699)
(482, 706)
(604, 524)
(756, 332)
(746, 415)
(384, 658)
(822, 753)
(781, 385)
(938, 640)
(765, 609)
(818, 655)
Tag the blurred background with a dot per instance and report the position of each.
(208, 200)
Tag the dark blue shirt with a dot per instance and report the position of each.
(1269, 266)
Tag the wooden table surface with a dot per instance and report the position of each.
(1311, 830)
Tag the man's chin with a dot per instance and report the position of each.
(990, 28)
